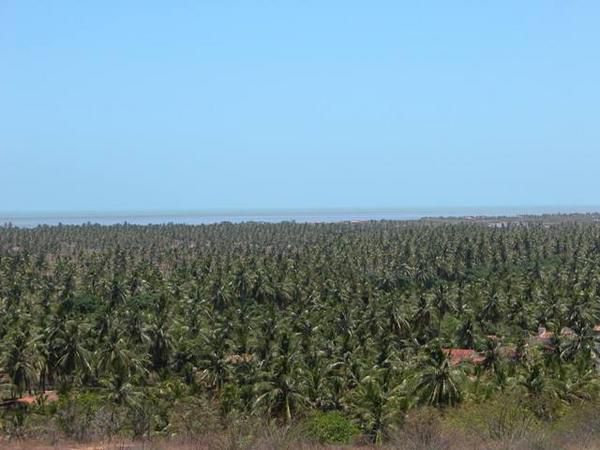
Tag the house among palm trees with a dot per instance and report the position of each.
(567, 332)
(543, 337)
(461, 355)
(243, 358)
(547, 339)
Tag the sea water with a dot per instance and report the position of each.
(274, 216)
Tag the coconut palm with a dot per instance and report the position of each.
(19, 361)
(378, 404)
(280, 392)
(436, 382)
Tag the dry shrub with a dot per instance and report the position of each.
(580, 429)
(530, 441)
(38, 426)
(193, 417)
(422, 429)
(87, 417)
(277, 438)
(256, 434)
(241, 434)
(504, 419)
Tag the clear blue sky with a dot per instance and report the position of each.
(119, 105)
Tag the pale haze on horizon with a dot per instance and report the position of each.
(302, 104)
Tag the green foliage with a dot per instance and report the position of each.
(141, 329)
(436, 383)
(330, 428)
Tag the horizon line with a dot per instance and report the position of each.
(226, 212)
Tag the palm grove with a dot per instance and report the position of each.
(158, 325)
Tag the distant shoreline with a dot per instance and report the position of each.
(450, 215)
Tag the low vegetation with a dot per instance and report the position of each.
(397, 334)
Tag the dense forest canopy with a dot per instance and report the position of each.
(287, 320)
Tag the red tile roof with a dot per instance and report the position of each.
(50, 396)
(460, 355)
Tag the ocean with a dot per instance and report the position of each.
(274, 216)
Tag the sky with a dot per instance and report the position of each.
(204, 105)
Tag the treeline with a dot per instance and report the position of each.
(341, 327)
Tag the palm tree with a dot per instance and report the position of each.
(378, 405)
(318, 375)
(491, 354)
(116, 358)
(436, 382)
(290, 316)
(73, 357)
(19, 362)
(465, 333)
(160, 344)
(280, 392)
(213, 359)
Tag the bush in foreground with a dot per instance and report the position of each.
(330, 428)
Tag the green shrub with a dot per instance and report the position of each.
(330, 428)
